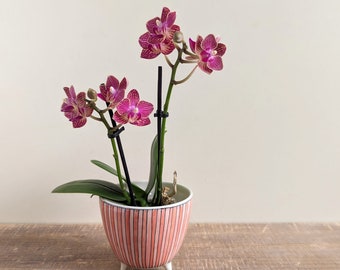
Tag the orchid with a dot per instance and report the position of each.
(113, 91)
(159, 38)
(209, 52)
(132, 110)
(163, 36)
(75, 107)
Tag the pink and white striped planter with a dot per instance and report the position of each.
(147, 237)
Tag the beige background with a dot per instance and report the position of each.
(259, 141)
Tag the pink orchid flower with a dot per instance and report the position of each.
(133, 110)
(209, 52)
(159, 38)
(75, 107)
(113, 91)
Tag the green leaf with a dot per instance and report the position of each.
(137, 190)
(106, 167)
(153, 165)
(97, 187)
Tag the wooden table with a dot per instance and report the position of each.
(207, 246)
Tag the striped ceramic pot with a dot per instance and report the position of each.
(147, 237)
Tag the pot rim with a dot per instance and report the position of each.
(180, 188)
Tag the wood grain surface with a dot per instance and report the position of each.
(207, 246)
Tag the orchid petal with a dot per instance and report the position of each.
(198, 47)
(66, 107)
(70, 92)
(142, 122)
(123, 106)
(167, 48)
(133, 96)
(121, 119)
(165, 12)
(79, 122)
(80, 100)
(71, 115)
(88, 111)
(147, 54)
(145, 108)
(112, 82)
(204, 67)
(143, 40)
(220, 49)
(152, 24)
(171, 17)
(215, 63)
(156, 39)
(101, 96)
(209, 42)
(205, 56)
(123, 84)
(192, 44)
(103, 91)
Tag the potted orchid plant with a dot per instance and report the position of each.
(114, 108)
(162, 37)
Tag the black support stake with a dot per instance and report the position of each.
(122, 157)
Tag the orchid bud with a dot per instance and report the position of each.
(92, 94)
(178, 37)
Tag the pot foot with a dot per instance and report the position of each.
(168, 266)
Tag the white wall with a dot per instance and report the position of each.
(258, 141)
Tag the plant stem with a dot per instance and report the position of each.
(172, 82)
(187, 77)
(119, 173)
(115, 151)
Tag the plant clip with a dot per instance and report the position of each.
(161, 114)
(114, 133)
